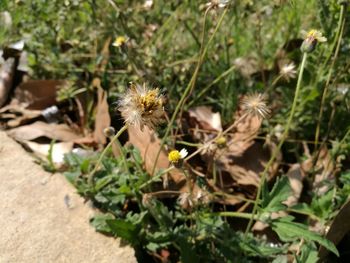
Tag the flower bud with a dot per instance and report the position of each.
(109, 132)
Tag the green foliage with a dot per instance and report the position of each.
(71, 40)
(273, 201)
(290, 231)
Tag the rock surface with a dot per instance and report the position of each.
(43, 219)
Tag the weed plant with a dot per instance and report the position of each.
(210, 54)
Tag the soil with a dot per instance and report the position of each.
(43, 219)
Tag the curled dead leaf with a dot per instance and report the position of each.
(60, 132)
(148, 144)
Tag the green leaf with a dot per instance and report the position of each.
(125, 230)
(99, 222)
(309, 254)
(187, 253)
(272, 201)
(289, 231)
(72, 176)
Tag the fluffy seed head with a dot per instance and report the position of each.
(288, 71)
(141, 106)
(255, 104)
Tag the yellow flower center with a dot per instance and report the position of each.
(174, 156)
(119, 41)
(150, 101)
(312, 33)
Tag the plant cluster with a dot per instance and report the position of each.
(247, 61)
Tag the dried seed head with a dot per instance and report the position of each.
(255, 104)
(185, 200)
(288, 71)
(141, 106)
(311, 39)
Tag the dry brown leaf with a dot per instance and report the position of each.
(325, 172)
(102, 119)
(38, 129)
(148, 144)
(339, 228)
(42, 150)
(6, 77)
(14, 115)
(37, 94)
(204, 117)
(245, 158)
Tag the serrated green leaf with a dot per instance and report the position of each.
(72, 176)
(289, 231)
(124, 229)
(281, 190)
(99, 222)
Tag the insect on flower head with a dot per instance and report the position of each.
(311, 39)
(141, 106)
(255, 104)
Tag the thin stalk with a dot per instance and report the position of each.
(99, 161)
(184, 95)
(217, 137)
(339, 34)
(283, 138)
(206, 88)
(190, 144)
(154, 178)
(234, 214)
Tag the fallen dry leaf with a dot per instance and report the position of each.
(148, 144)
(37, 94)
(339, 228)
(244, 159)
(204, 117)
(42, 150)
(13, 115)
(6, 77)
(38, 129)
(102, 118)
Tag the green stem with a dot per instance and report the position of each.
(234, 214)
(154, 178)
(204, 90)
(337, 40)
(184, 95)
(277, 150)
(99, 161)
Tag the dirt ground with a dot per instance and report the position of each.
(42, 218)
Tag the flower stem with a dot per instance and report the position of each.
(99, 161)
(277, 150)
(336, 42)
(186, 92)
(234, 214)
(154, 178)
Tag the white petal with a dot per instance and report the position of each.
(183, 153)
